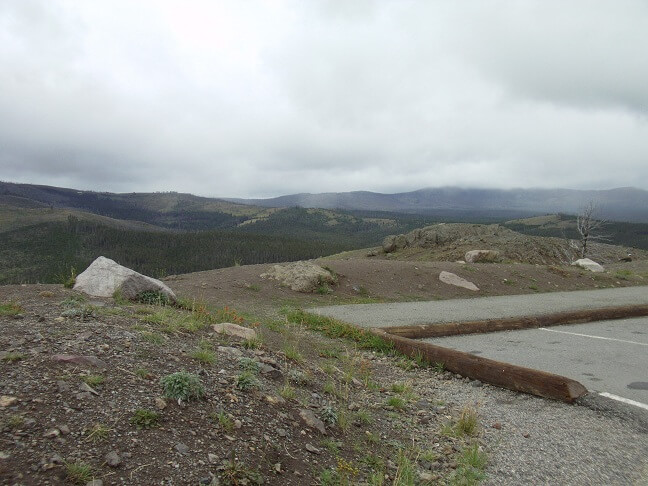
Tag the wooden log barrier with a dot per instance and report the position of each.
(517, 323)
(490, 371)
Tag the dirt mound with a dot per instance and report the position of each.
(450, 242)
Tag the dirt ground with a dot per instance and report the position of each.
(363, 280)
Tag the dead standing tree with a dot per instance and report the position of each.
(589, 226)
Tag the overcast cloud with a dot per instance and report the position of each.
(256, 99)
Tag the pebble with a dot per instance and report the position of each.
(181, 448)
(312, 449)
(113, 459)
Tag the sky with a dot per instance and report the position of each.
(252, 98)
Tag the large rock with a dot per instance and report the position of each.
(457, 281)
(588, 264)
(482, 256)
(301, 276)
(104, 277)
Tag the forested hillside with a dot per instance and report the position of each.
(49, 252)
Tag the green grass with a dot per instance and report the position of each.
(405, 470)
(401, 388)
(292, 353)
(144, 419)
(337, 329)
(172, 321)
(152, 337)
(13, 356)
(466, 425)
(470, 466)
(223, 420)
(143, 373)
(205, 356)
(396, 402)
(10, 309)
(78, 472)
(249, 364)
(287, 392)
(97, 432)
(93, 380)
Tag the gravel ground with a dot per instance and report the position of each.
(545, 442)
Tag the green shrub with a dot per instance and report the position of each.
(182, 386)
(152, 297)
(144, 419)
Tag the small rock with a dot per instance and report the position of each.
(497, 426)
(277, 468)
(95, 482)
(476, 383)
(281, 432)
(238, 424)
(62, 386)
(312, 421)
(112, 459)
(230, 350)
(526, 435)
(181, 448)
(426, 476)
(230, 329)
(312, 449)
(7, 401)
(4, 455)
(213, 458)
(275, 400)
(84, 387)
(160, 404)
(51, 433)
(65, 430)
(79, 360)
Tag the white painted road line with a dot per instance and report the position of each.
(593, 337)
(624, 400)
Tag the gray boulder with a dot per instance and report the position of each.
(482, 256)
(104, 277)
(301, 276)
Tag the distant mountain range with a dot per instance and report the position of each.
(623, 204)
(186, 211)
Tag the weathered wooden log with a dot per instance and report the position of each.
(497, 373)
(516, 323)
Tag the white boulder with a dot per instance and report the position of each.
(104, 277)
(588, 264)
(453, 279)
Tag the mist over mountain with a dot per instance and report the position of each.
(171, 209)
(623, 204)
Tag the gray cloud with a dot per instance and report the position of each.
(261, 99)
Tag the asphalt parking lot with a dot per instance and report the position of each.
(609, 357)
(606, 357)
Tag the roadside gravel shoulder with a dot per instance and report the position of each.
(532, 440)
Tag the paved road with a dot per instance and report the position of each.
(606, 356)
(411, 313)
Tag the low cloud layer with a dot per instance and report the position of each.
(257, 99)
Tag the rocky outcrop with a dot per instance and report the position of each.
(301, 276)
(104, 277)
(482, 256)
(453, 279)
(588, 264)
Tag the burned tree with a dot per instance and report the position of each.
(589, 226)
